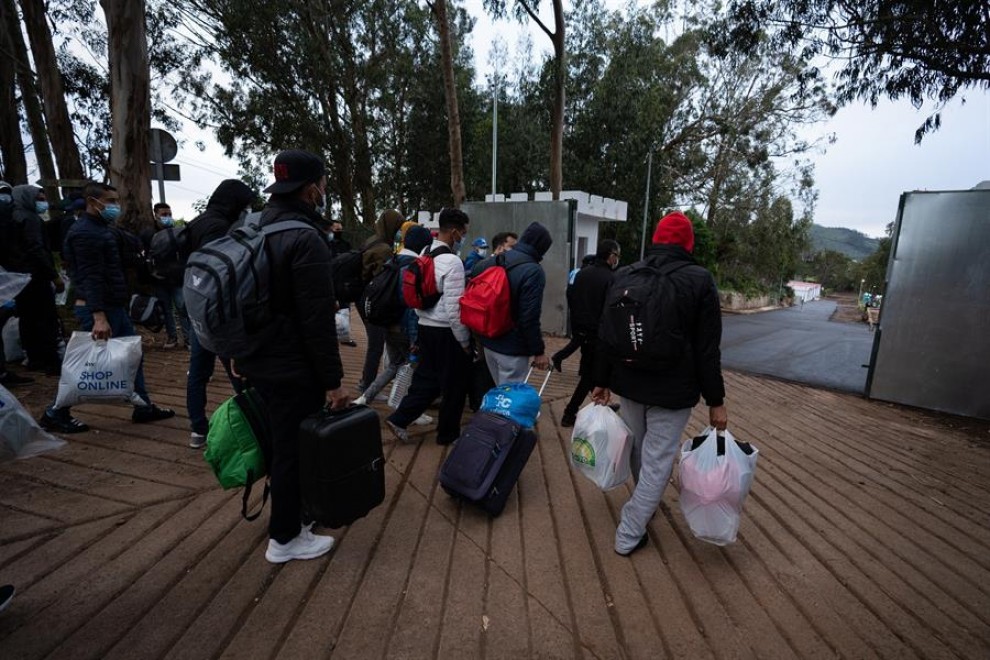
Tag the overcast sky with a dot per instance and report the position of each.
(860, 177)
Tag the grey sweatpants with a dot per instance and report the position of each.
(656, 440)
(507, 368)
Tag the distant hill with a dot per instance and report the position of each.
(850, 242)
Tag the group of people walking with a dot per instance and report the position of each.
(298, 369)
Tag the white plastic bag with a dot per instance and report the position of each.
(20, 435)
(11, 284)
(714, 485)
(601, 445)
(342, 320)
(12, 348)
(99, 371)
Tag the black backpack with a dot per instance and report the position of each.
(167, 254)
(147, 311)
(381, 303)
(641, 323)
(347, 272)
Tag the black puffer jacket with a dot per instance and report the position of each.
(586, 298)
(92, 254)
(30, 252)
(224, 208)
(699, 372)
(303, 352)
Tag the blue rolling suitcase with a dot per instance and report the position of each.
(486, 461)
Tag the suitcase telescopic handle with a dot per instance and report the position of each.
(546, 379)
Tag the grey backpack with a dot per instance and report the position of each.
(227, 289)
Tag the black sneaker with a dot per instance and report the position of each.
(10, 379)
(151, 413)
(349, 342)
(62, 423)
(7, 592)
(567, 421)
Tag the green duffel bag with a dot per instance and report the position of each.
(238, 445)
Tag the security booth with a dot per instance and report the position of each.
(572, 221)
(932, 344)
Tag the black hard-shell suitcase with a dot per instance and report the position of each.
(487, 460)
(341, 465)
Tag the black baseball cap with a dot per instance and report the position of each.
(294, 168)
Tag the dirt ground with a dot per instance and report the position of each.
(846, 311)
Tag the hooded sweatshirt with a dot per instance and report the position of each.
(224, 208)
(526, 283)
(380, 248)
(30, 252)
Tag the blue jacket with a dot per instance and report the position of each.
(526, 282)
(92, 254)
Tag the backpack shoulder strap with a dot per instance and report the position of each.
(285, 225)
(443, 249)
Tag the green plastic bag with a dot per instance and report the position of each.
(236, 445)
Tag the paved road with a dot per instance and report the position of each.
(798, 344)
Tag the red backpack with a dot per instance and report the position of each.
(419, 280)
(486, 306)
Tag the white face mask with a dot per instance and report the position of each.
(482, 251)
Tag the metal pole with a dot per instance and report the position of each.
(646, 202)
(494, 131)
(159, 167)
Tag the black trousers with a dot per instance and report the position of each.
(444, 368)
(287, 408)
(587, 383)
(39, 323)
(373, 358)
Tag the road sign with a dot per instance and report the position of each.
(163, 146)
(170, 171)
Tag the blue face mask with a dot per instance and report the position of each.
(41, 207)
(6, 198)
(167, 221)
(110, 213)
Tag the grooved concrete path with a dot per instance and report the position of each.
(865, 535)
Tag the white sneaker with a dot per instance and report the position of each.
(306, 545)
(400, 433)
(360, 401)
(423, 420)
(197, 440)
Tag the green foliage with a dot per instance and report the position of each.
(873, 270)
(916, 49)
(852, 243)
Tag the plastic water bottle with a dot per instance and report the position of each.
(400, 386)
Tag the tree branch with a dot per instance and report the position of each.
(536, 18)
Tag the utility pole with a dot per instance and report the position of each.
(494, 131)
(646, 202)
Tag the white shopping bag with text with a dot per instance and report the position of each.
(601, 445)
(99, 371)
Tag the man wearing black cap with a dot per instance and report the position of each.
(299, 370)
(509, 356)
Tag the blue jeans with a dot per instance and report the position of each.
(171, 296)
(201, 365)
(120, 326)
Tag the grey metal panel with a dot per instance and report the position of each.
(488, 219)
(933, 347)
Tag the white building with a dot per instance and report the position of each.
(805, 291)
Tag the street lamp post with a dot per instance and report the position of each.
(859, 300)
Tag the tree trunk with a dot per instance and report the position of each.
(32, 104)
(11, 144)
(130, 110)
(559, 99)
(453, 112)
(52, 92)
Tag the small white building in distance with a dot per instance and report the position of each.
(805, 291)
